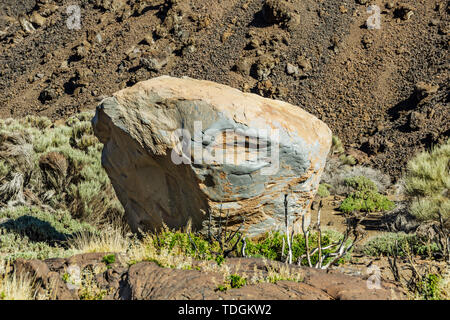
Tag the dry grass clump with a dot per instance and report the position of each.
(444, 285)
(14, 286)
(428, 183)
(284, 272)
(109, 239)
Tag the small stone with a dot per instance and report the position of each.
(367, 41)
(226, 35)
(304, 63)
(404, 11)
(416, 120)
(390, 5)
(254, 44)
(434, 22)
(64, 65)
(27, 26)
(424, 90)
(264, 66)
(148, 39)
(47, 94)
(243, 66)
(154, 60)
(189, 49)
(291, 69)
(98, 37)
(37, 19)
(38, 76)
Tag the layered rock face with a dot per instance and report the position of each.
(180, 150)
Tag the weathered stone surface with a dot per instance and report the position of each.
(148, 281)
(137, 124)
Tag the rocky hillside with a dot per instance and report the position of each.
(384, 91)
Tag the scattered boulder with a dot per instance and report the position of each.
(162, 181)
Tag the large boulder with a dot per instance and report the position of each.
(180, 150)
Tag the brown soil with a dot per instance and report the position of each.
(363, 83)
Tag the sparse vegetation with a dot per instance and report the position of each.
(57, 201)
(389, 243)
(59, 167)
(109, 259)
(14, 286)
(337, 172)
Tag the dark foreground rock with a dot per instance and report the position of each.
(148, 281)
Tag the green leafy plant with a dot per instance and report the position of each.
(428, 287)
(236, 281)
(109, 259)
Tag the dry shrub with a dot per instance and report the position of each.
(336, 173)
(108, 240)
(54, 167)
(428, 183)
(14, 286)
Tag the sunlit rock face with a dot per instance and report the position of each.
(180, 150)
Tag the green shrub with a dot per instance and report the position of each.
(270, 246)
(361, 183)
(428, 288)
(109, 259)
(83, 187)
(31, 233)
(233, 281)
(236, 281)
(196, 247)
(336, 145)
(323, 191)
(365, 197)
(366, 201)
(396, 244)
(347, 160)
